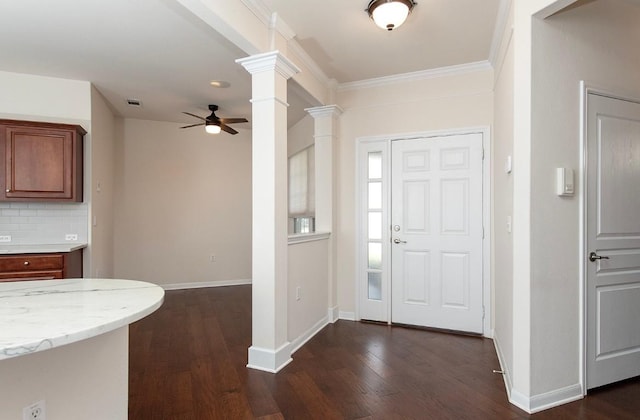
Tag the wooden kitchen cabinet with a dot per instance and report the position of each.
(58, 265)
(42, 161)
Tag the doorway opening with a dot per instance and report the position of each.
(423, 230)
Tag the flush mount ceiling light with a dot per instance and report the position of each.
(389, 14)
(220, 84)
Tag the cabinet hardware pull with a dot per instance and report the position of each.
(26, 263)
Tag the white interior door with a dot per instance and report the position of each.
(613, 234)
(436, 222)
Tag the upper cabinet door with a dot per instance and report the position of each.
(43, 162)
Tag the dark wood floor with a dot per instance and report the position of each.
(187, 361)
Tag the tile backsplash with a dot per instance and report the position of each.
(43, 223)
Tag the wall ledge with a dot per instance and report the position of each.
(308, 237)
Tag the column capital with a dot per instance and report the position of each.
(269, 61)
(324, 111)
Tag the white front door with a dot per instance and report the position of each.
(436, 232)
(613, 236)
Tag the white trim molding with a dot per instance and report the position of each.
(269, 360)
(333, 314)
(547, 400)
(272, 60)
(486, 216)
(308, 237)
(302, 339)
(416, 75)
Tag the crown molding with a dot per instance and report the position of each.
(258, 8)
(416, 75)
(279, 24)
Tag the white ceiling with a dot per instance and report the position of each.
(349, 47)
(157, 52)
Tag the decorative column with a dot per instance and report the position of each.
(270, 349)
(326, 135)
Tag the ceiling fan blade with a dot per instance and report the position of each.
(194, 115)
(192, 125)
(233, 120)
(228, 129)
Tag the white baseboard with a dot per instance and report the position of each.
(308, 335)
(333, 314)
(538, 402)
(541, 402)
(349, 316)
(503, 366)
(555, 398)
(268, 360)
(201, 284)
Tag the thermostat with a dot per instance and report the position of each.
(564, 182)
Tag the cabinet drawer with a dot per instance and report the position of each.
(31, 262)
(31, 275)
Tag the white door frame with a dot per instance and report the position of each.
(587, 88)
(385, 142)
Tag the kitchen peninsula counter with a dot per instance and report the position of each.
(65, 342)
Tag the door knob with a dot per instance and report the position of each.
(593, 256)
(398, 241)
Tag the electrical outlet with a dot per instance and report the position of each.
(35, 411)
(71, 237)
(212, 258)
(5, 238)
(298, 293)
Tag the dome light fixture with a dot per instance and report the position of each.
(389, 14)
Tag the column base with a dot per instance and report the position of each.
(269, 360)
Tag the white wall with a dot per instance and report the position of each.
(447, 102)
(182, 196)
(308, 270)
(300, 136)
(597, 42)
(99, 186)
(502, 188)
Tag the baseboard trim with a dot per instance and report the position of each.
(202, 284)
(333, 314)
(267, 360)
(349, 316)
(506, 375)
(308, 335)
(555, 398)
(538, 402)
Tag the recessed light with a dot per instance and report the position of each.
(219, 84)
(134, 102)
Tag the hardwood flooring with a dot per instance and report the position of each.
(188, 361)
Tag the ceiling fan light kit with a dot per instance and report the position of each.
(389, 14)
(212, 128)
(214, 124)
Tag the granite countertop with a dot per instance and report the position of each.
(40, 249)
(39, 315)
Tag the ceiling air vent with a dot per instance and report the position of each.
(134, 102)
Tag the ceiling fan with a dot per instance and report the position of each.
(213, 124)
